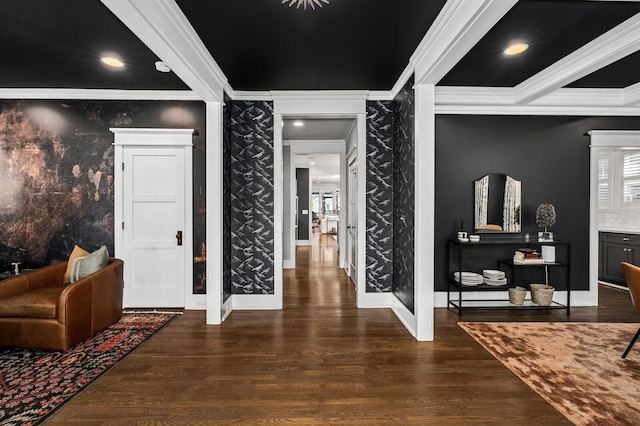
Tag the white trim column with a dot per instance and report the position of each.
(278, 211)
(214, 171)
(425, 150)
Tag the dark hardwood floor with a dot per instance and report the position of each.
(322, 361)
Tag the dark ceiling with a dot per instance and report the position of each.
(265, 45)
(346, 45)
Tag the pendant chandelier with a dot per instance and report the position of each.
(305, 3)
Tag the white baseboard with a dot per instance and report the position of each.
(404, 315)
(196, 302)
(618, 286)
(288, 264)
(227, 308)
(375, 300)
(255, 301)
(303, 242)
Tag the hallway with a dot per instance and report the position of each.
(317, 281)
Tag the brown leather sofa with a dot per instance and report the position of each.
(38, 311)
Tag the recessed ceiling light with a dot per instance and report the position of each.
(312, 162)
(112, 61)
(298, 123)
(162, 67)
(515, 49)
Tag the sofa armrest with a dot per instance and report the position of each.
(95, 300)
(46, 276)
(74, 307)
(13, 286)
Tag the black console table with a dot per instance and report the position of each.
(458, 254)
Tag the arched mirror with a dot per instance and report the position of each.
(497, 204)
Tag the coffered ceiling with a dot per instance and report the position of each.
(264, 45)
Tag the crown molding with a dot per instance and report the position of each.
(613, 45)
(631, 95)
(381, 95)
(100, 94)
(404, 77)
(319, 95)
(163, 27)
(487, 100)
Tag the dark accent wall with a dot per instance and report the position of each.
(404, 195)
(252, 197)
(379, 188)
(304, 203)
(550, 155)
(226, 198)
(56, 175)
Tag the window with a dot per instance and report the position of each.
(619, 180)
(604, 180)
(631, 178)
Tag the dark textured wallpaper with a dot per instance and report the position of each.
(56, 174)
(226, 198)
(252, 197)
(379, 188)
(404, 195)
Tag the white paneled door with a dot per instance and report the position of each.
(153, 227)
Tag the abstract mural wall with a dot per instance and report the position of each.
(56, 175)
(252, 197)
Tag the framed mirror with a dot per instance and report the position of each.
(497, 204)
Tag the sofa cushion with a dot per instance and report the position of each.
(39, 303)
(76, 253)
(89, 264)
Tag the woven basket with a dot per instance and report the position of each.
(541, 294)
(517, 295)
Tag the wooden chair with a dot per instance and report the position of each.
(632, 277)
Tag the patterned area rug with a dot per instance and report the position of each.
(576, 367)
(35, 383)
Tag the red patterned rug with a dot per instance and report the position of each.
(35, 383)
(576, 367)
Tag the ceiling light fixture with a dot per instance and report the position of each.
(162, 67)
(112, 61)
(298, 123)
(516, 48)
(305, 3)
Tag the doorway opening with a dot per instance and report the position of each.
(315, 209)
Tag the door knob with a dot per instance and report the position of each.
(179, 237)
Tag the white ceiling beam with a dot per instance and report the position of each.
(163, 27)
(604, 50)
(458, 27)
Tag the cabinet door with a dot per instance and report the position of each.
(613, 255)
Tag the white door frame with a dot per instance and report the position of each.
(317, 108)
(352, 164)
(600, 140)
(144, 137)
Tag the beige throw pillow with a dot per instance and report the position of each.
(76, 253)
